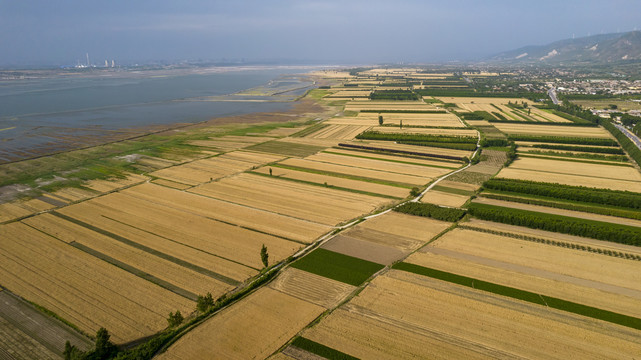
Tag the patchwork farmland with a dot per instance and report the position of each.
(518, 236)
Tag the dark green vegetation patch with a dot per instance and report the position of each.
(286, 148)
(626, 143)
(528, 296)
(624, 199)
(333, 265)
(623, 234)
(431, 211)
(321, 350)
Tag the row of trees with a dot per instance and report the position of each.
(393, 95)
(624, 199)
(431, 211)
(376, 135)
(563, 140)
(623, 234)
(590, 208)
(626, 143)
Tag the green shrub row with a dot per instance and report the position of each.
(523, 295)
(624, 199)
(393, 95)
(445, 145)
(563, 140)
(627, 144)
(431, 211)
(375, 135)
(602, 210)
(592, 149)
(476, 115)
(617, 233)
(485, 142)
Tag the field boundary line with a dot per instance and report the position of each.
(160, 254)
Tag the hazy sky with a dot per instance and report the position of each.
(345, 31)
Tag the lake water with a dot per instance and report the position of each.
(48, 115)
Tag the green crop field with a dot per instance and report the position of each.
(333, 265)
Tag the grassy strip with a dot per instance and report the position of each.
(309, 130)
(570, 159)
(617, 198)
(453, 190)
(141, 274)
(403, 152)
(563, 140)
(390, 160)
(602, 157)
(406, 111)
(344, 176)
(321, 350)
(286, 148)
(425, 126)
(589, 208)
(590, 149)
(149, 250)
(623, 234)
(431, 211)
(519, 294)
(326, 186)
(336, 266)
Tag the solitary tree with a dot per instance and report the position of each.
(401, 124)
(264, 256)
(270, 171)
(380, 119)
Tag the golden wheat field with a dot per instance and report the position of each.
(265, 221)
(553, 130)
(333, 181)
(573, 173)
(402, 315)
(341, 132)
(572, 274)
(333, 169)
(80, 288)
(252, 329)
(328, 207)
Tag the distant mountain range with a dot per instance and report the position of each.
(591, 49)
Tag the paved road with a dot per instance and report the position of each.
(630, 135)
(552, 95)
